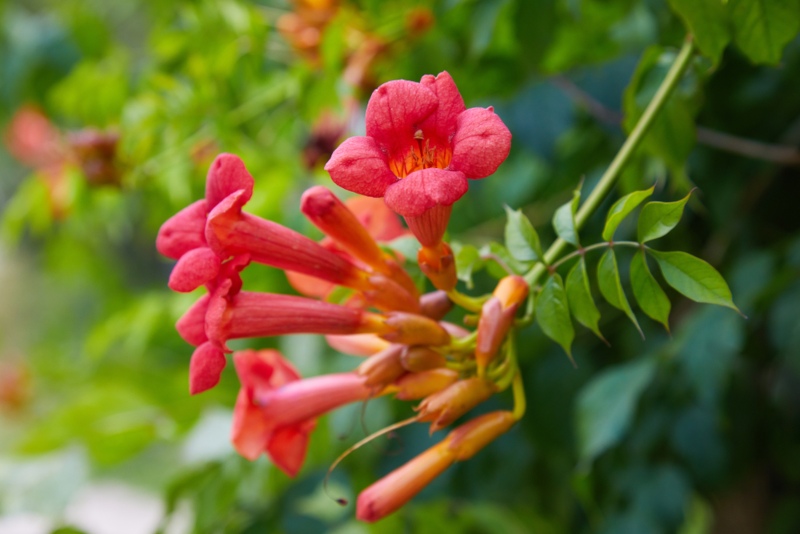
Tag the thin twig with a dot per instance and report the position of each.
(781, 154)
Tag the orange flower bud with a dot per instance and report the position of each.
(384, 367)
(412, 329)
(435, 305)
(420, 385)
(446, 406)
(439, 265)
(497, 317)
(401, 485)
(421, 358)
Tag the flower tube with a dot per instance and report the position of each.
(401, 485)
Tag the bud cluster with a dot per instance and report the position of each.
(418, 157)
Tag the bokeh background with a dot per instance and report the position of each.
(111, 113)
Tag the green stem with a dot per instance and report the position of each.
(584, 250)
(622, 158)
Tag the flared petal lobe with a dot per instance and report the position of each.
(422, 190)
(194, 268)
(205, 368)
(442, 123)
(395, 112)
(227, 175)
(359, 165)
(184, 231)
(481, 143)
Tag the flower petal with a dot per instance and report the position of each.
(395, 112)
(287, 447)
(195, 268)
(249, 433)
(227, 175)
(381, 222)
(192, 325)
(481, 143)
(442, 122)
(183, 231)
(422, 190)
(360, 166)
(205, 368)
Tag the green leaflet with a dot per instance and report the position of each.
(694, 278)
(579, 297)
(707, 20)
(468, 260)
(611, 288)
(657, 219)
(761, 28)
(621, 209)
(564, 219)
(552, 313)
(651, 298)
(521, 238)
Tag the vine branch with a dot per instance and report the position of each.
(622, 158)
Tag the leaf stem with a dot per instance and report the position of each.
(622, 158)
(584, 250)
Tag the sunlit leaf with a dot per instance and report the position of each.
(522, 241)
(552, 313)
(579, 296)
(651, 298)
(657, 219)
(621, 209)
(605, 406)
(694, 278)
(611, 287)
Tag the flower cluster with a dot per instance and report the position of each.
(422, 147)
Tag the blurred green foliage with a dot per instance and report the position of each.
(693, 432)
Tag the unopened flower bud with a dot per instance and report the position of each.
(438, 264)
(413, 386)
(446, 406)
(413, 329)
(384, 367)
(421, 358)
(435, 305)
(497, 317)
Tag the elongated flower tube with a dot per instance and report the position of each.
(297, 402)
(252, 432)
(381, 223)
(357, 344)
(221, 316)
(229, 231)
(447, 405)
(497, 315)
(401, 485)
(182, 236)
(422, 145)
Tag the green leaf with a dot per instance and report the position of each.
(552, 313)
(579, 296)
(564, 219)
(761, 28)
(468, 260)
(694, 278)
(651, 298)
(605, 406)
(522, 241)
(657, 219)
(621, 209)
(493, 253)
(708, 22)
(611, 288)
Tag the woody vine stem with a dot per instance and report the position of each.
(622, 158)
